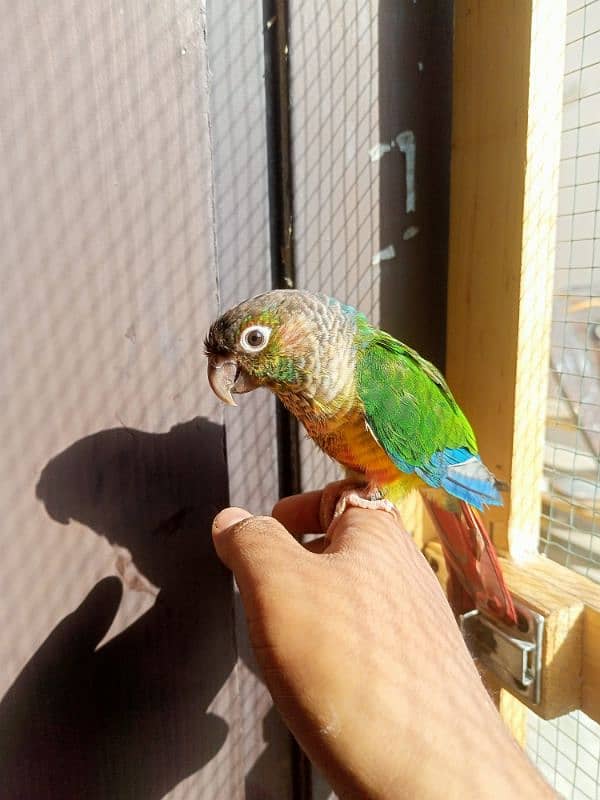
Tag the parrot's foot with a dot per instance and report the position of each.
(339, 496)
(353, 498)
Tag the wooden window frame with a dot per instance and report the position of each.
(507, 107)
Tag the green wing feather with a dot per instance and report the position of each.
(407, 402)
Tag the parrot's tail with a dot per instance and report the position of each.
(471, 480)
(475, 579)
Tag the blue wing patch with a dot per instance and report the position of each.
(463, 475)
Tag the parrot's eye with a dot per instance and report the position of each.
(255, 338)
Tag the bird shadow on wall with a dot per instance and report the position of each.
(130, 718)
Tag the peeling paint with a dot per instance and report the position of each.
(130, 333)
(410, 232)
(407, 144)
(377, 152)
(386, 254)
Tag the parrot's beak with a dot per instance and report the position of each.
(226, 377)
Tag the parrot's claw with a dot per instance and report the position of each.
(339, 496)
(352, 498)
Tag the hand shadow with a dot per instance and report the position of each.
(129, 720)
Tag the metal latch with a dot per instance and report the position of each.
(513, 654)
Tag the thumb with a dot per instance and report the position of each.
(254, 548)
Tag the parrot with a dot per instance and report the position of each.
(380, 410)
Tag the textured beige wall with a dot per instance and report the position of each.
(108, 277)
(108, 283)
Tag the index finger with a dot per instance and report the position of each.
(299, 513)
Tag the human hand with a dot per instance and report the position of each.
(363, 658)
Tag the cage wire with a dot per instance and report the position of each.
(108, 286)
(335, 121)
(240, 172)
(336, 192)
(349, 235)
(567, 750)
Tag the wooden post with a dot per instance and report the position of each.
(507, 98)
(512, 711)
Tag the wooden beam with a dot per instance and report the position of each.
(512, 711)
(570, 605)
(507, 102)
(590, 690)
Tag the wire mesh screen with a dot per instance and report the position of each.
(237, 94)
(107, 235)
(571, 508)
(335, 123)
(567, 750)
(239, 152)
(369, 165)
(370, 102)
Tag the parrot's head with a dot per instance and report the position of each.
(281, 340)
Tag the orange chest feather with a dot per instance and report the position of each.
(346, 438)
(353, 445)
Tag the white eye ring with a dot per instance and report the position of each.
(255, 338)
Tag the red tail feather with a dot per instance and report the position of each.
(474, 576)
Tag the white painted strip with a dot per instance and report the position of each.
(386, 254)
(407, 144)
(410, 232)
(377, 152)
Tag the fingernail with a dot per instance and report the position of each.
(228, 517)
